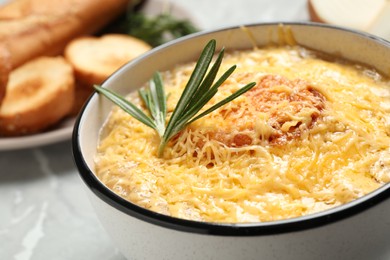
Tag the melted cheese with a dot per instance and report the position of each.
(313, 134)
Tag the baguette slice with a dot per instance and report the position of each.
(32, 28)
(96, 58)
(39, 94)
(5, 69)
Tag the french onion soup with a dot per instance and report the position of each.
(312, 134)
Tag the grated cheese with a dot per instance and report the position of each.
(313, 134)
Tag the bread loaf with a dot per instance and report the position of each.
(96, 58)
(39, 94)
(32, 28)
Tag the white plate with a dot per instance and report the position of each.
(63, 131)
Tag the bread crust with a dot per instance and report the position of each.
(39, 94)
(314, 17)
(5, 69)
(46, 26)
(82, 93)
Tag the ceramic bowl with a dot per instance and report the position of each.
(356, 230)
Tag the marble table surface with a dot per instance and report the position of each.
(44, 211)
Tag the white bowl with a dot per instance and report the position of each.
(356, 230)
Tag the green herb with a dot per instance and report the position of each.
(158, 29)
(198, 91)
(154, 29)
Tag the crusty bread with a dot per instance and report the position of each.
(96, 58)
(32, 28)
(5, 69)
(39, 94)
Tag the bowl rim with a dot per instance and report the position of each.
(301, 223)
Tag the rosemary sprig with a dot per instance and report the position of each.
(158, 29)
(198, 91)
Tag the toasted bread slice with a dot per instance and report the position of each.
(96, 58)
(39, 94)
(5, 69)
(46, 26)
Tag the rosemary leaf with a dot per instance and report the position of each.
(204, 98)
(191, 87)
(126, 106)
(159, 94)
(208, 80)
(145, 96)
(155, 100)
